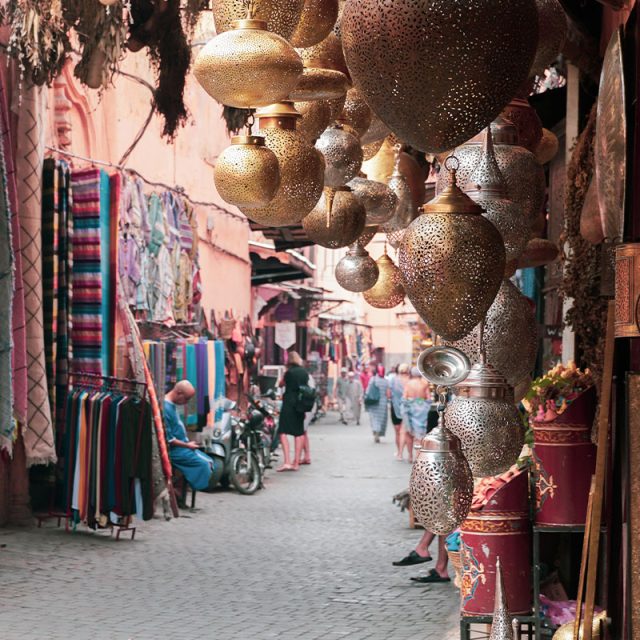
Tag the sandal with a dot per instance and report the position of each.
(433, 576)
(285, 467)
(413, 558)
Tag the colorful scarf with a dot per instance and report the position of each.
(86, 307)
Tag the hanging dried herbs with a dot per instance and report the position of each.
(157, 25)
(235, 118)
(581, 281)
(38, 38)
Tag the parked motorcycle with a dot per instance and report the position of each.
(269, 426)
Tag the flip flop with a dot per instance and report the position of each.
(285, 467)
(412, 558)
(433, 576)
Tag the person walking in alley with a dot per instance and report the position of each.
(355, 392)
(342, 385)
(185, 455)
(416, 402)
(397, 384)
(291, 418)
(376, 400)
(421, 554)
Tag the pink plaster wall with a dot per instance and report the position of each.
(104, 127)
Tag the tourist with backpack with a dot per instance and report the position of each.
(376, 399)
(298, 398)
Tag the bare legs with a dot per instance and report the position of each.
(286, 452)
(300, 443)
(305, 452)
(408, 442)
(422, 549)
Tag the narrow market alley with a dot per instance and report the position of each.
(307, 558)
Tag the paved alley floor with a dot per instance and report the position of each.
(307, 558)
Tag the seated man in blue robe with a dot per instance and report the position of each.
(185, 455)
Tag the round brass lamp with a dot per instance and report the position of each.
(356, 112)
(301, 168)
(282, 16)
(388, 291)
(248, 66)
(378, 200)
(247, 173)
(316, 22)
(315, 118)
(342, 154)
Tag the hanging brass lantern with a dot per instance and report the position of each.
(483, 415)
(281, 16)
(539, 252)
(423, 67)
(502, 623)
(337, 105)
(247, 173)
(388, 291)
(317, 83)
(547, 148)
(317, 20)
(378, 200)
(248, 66)
(510, 335)
(552, 31)
(376, 132)
(488, 189)
(526, 182)
(301, 168)
(452, 261)
(381, 166)
(526, 120)
(368, 235)
(357, 271)
(326, 55)
(342, 154)
(565, 632)
(315, 118)
(337, 220)
(405, 211)
(441, 484)
(370, 150)
(356, 112)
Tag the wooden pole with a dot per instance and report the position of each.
(583, 562)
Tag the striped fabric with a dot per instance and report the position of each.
(86, 310)
(50, 256)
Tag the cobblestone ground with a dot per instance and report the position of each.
(307, 558)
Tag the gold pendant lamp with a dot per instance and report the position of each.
(376, 132)
(438, 76)
(356, 113)
(524, 176)
(405, 211)
(452, 261)
(301, 168)
(282, 16)
(337, 220)
(315, 118)
(247, 174)
(357, 271)
(487, 188)
(370, 150)
(316, 22)
(552, 30)
(368, 234)
(525, 119)
(378, 200)
(248, 66)
(388, 291)
(342, 154)
(547, 148)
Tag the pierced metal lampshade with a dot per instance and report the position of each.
(301, 168)
(547, 148)
(443, 366)
(483, 415)
(539, 252)
(247, 174)
(337, 220)
(356, 113)
(453, 245)
(315, 118)
(357, 271)
(552, 30)
(510, 335)
(368, 234)
(388, 291)
(487, 188)
(378, 200)
(502, 623)
(281, 16)
(317, 83)
(405, 211)
(565, 632)
(526, 121)
(325, 55)
(526, 183)
(371, 149)
(417, 62)
(248, 66)
(376, 132)
(342, 153)
(441, 484)
(316, 22)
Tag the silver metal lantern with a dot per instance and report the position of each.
(357, 271)
(342, 153)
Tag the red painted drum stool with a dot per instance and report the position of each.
(500, 528)
(565, 460)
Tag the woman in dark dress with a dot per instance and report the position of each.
(291, 420)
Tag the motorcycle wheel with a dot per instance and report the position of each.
(245, 472)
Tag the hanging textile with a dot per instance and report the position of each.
(38, 429)
(86, 307)
(220, 381)
(18, 321)
(115, 191)
(105, 276)
(6, 295)
(191, 408)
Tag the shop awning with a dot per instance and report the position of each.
(292, 237)
(269, 265)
